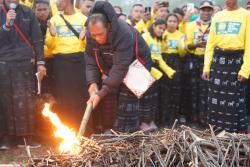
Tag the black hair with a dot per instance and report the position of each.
(137, 4)
(118, 7)
(164, 4)
(98, 17)
(172, 14)
(156, 23)
(41, 1)
(179, 11)
(121, 14)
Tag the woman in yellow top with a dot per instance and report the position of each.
(227, 65)
(149, 107)
(69, 67)
(172, 53)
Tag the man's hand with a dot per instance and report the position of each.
(41, 70)
(188, 15)
(156, 5)
(241, 78)
(94, 99)
(52, 28)
(206, 76)
(93, 88)
(11, 15)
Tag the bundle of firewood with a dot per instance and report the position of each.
(175, 147)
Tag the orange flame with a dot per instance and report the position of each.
(70, 142)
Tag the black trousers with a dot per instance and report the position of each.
(226, 97)
(17, 98)
(70, 87)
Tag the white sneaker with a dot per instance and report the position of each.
(153, 126)
(144, 126)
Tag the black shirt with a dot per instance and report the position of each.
(12, 46)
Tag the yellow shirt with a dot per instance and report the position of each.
(182, 27)
(65, 41)
(230, 30)
(143, 27)
(156, 51)
(27, 3)
(53, 7)
(175, 43)
(192, 33)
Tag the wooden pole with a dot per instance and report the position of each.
(85, 119)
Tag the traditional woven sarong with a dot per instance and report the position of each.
(128, 115)
(17, 98)
(226, 95)
(197, 91)
(148, 104)
(172, 88)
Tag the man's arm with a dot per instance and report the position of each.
(93, 74)
(245, 68)
(210, 48)
(37, 40)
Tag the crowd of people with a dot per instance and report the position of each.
(199, 57)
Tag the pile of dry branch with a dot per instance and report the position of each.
(171, 147)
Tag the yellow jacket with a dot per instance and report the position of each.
(65, 41)
(230, 30)
(27, 3)
(175, 43)
(156, 51)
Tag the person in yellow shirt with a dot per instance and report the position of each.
(227, 66)
(180, 14)
(159, 11)
(196, 37)
(172, 53)
(28, 3)
(63, 39)
(155, 42)
(136, 14)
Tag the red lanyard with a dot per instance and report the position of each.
(19, 31)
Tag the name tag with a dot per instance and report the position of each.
(172, 44)
(228, 28)
(64, 31)
(155, 49)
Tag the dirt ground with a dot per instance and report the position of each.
(19, 156)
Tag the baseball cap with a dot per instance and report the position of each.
(206, 4)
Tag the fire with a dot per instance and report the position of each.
(70, 142)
